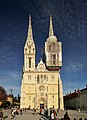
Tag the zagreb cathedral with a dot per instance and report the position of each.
(41, 85)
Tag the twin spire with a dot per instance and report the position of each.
(30, 35)
(51, 33)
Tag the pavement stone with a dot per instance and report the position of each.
(28, 115)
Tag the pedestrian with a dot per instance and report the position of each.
(40, 111)
(55, 114)
(1, 115)
(20, 111)
(35, 111)
(12, 114)
(52, 115)
(66, 116)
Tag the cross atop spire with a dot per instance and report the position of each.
(51, 33)
(30, 35)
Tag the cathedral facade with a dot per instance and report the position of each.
(41, 85)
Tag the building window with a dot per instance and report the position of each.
(29, 77)
(44, 78)
(29, 62)
(53, 46)
(37, 78)
(49, 47)
(54, 59)
(41, 78)
(47, 78)
(47, 89)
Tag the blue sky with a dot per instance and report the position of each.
(70, 27)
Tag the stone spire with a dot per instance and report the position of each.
(30, 35)
(51, 27)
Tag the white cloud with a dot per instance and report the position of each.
(74, 67)
(15, 75)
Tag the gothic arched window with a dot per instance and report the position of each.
(30, 62)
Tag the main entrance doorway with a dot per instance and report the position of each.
(41, 106)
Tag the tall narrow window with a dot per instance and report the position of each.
(49, 47)
(54, 59)
(29, 62)
(41, 79)
(47, 89)
(37, 78)
(44, 78)
(53, 46)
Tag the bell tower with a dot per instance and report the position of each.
(53, 49)
(29, 50)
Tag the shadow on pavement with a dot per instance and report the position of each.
(45, 117)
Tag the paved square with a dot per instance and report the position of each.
(28, 115)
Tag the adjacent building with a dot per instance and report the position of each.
(41, 84)
(77, 99)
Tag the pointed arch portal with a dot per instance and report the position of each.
(42, 103)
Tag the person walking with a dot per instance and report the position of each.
(1, 115)
(66, 116)
(52, 115)
(20, 111)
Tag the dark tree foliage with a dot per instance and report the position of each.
(3, 94)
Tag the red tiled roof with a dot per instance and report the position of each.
(70, 96)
